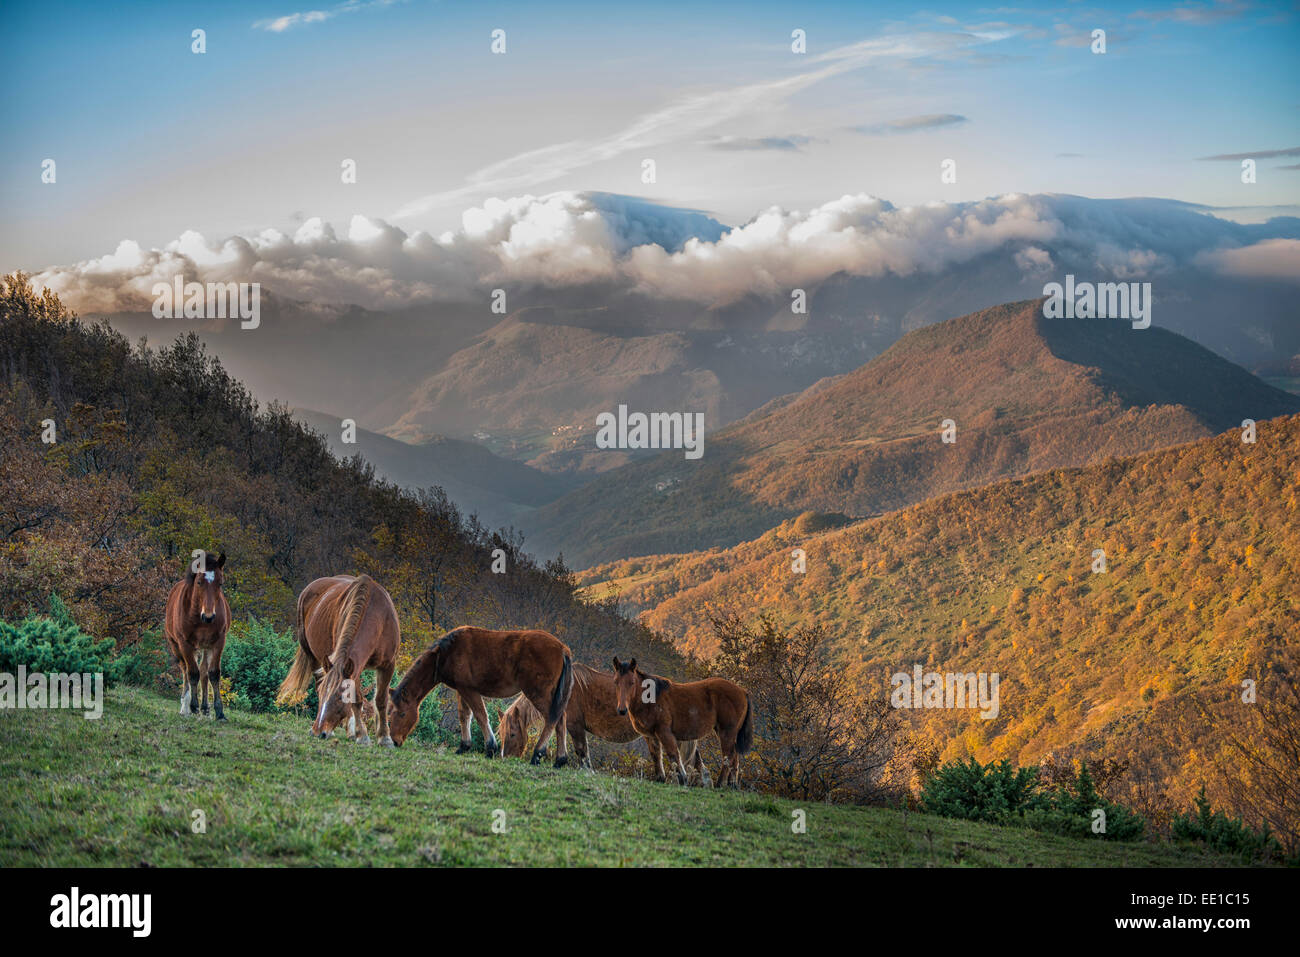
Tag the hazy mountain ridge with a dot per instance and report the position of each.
(1026, 394)
(497, 488)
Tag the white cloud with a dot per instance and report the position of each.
(304, 17)
(1269, 259)
(570, 239)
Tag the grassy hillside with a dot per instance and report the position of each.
(1026, 394)
(1202, 548)
(121, 791)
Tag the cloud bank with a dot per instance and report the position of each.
(571, 239)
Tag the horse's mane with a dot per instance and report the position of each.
(582, 674)
(425, 667)
(524, 708)
(355, 602)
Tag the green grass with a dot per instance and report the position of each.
(121, 791)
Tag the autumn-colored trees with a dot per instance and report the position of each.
(155, 453)
(817, 735)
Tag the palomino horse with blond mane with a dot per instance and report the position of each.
(195, 626)
(669, 712)
(477, 663)
(592, 709)
(345, 625)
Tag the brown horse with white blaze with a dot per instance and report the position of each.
(345, 625)
(195, 625)
(670, 711)
(593, 709)
(478, 663)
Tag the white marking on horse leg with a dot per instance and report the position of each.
(352, 726)
(185, 699)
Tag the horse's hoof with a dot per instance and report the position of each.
(364, 740)
(562, 760)
(221, 717)
(387, 742)
(491, 749)
(536, 758)
(463, 748)
(661, 779)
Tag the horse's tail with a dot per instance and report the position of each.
(745, 736)
(563, 688)
(303, 667)
(299, 676)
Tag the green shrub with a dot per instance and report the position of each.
(1071, 810)
(55, 643)
(1222, 833)
(256, 659)
(144, 663)
(1002, 794)
(997, 793)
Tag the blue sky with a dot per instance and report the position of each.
(152, 140)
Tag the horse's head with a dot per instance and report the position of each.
(626, 682)
(338, 695)
(513, 732)
(403, 715)
(205, 587)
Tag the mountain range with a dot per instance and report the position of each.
(1024, 393)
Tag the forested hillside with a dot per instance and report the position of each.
(157, 453)
(1142, 663)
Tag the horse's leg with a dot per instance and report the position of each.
(544, 739)
(361, 733)
(214, 677)
(382, 678)
(561, 742)
(697, 759)
(580, 753)
(190, 697)
(656, 757)
(669, 744)
(205, 662)
(730, 759)
(464, 712)
(490, 746)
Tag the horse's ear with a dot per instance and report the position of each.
(221, 560)
(631, 665)
(348, 668)
(661, 684)
(618, 665)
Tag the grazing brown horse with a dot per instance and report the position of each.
(671, 711)
(345, 625)
(195, 626)
(478, 663)
(592, 708)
